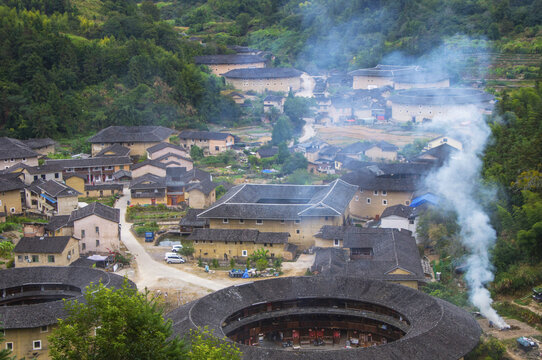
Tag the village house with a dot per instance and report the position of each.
(267, 152)
(95, 170)
(148, 167)
(221, 64)
(97, 228)
(400, 217)
(13, 152)
(46, 251)
(273, 101)
(51, 197)
(194, 187)
(43, 146)
(159, 150)
(300, 210)
(123, 176)
(419, 105)
(382, 151)
(33, 173)
(437, 155)
(378, 76)
(212, 143)
(148, 189)
(101, 190)
(442, 140)
(137, 138)
(59, 225)
(264, 79)
(114, 150)
(11, 194)
(383, 185)
(238, 98)
(226, 244)
(376, 254)
(190, 222)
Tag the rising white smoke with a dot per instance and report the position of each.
(458, 182)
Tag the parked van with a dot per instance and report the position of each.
(174, 258)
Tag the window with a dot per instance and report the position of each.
(297, 221)
(57, 175)
(82, 234)
(12, 210)
(35, 177)
(24, 159)
(20, 258)
(36, 345)
(368, 200)
(297, 231)
(217, 148)
(97, 243)
(225, 221)
(336, 242)
(357, 198)
(51, 258)
(411, 222)
(44, 328)
(97, 229)
(9, 346)
(282, 221)
(241, 221)
(35, 258)
(84, 247)
(384, 193)
(326, 218)
(244, 253)
(375, 192)
(43, 176)
(259, 222)
(265, 244)
(384, 202)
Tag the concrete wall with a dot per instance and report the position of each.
(148, 169)
(198, 200)
(438, 84)
(165, 151)
(376, 153)
(76, 183)
(263, 85)
(301, 233)
(108, 234)
(23, 340)
(66, 205)
(71, 251)
(10, 202)
(371, 82)
(219, 69)
(397, 222)
(226, 250)
(361, 208)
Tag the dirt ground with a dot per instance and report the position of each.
(348, 134)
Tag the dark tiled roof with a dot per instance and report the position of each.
(228, 59)
(15, 149)
(42, 245)
(122, 173)
(10, 182)
(53, 188)
(116, 149)
(116, 134)
(440, 96)
(91, 162)
(164, 145)
(384, 71)
(174, 156)
(242, 235)
(179, 176)
(282, 202)
(437, 329)
(43, 169)
(356, 148)
(398, 210)
(263, 73)
(98, 209)
(148, 181)
(48, 313)
(205, 186)
(191, 219)
(273, 98)
(369, 180)
(203, 135)
(154, 163)
(38, 143)
(57, 222)
(386, 146)
(106, 186)
(438, 155)
(268, 152)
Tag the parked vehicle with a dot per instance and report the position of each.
(174, 258)
(176, 248)
(526, 343)
(537, 294)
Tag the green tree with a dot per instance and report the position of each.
(282, 131)
(300, 177)
(206, 346)
(150, 9)
(261, 264)
(294, 162)
(296, 108)
(283, 153)
(6, 249)
(196, 153)
(187, 250)
(114, 324)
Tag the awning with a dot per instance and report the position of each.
(97, 258)
(49, 198)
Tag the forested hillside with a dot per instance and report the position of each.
(63, 74)
(357, 33)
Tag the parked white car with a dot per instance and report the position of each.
(174, 258)
(176, 248)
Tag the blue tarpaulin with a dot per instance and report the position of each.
(49, 198)
(426, 198)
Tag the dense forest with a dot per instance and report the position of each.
(63, 74)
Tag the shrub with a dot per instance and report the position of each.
(261, 264)
(232, 263)
(214, 263)
(187, 250)
(490, 349)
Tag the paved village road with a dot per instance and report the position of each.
(150, 272)
(308, 130)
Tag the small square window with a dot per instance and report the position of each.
(384, 202)
(368, 200)
(297, 231)
(82, 234)
(375, 192)
(336, 242)
(19, 258)
(411, 222)
(44, 328)
(57, 175)
(35, 258)
(407, 202)
(51, 258)
(259, 222)
(297, 221)
(83, 246)
(357, 198)
(241, 221)
(384, 193)
(36, 345)
(97, 243)
(244, 253)
(9, 346)
(225, 221)
(282, 221)
(97, 229)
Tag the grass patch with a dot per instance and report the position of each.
(109, 200)
(516, 312)
(140, 230)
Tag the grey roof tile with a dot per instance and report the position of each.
(118, 134)
(42, 245)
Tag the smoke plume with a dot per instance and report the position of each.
(458, 182)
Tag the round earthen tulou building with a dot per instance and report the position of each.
(331, 318)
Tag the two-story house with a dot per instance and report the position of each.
(46, 251)
(137, 138)
(96, 226)
(212, 143)
(11, 194)
(51, 197)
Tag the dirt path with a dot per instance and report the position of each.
(300, 266)
(153, 274)
(308, 131)
(519, 329)
(348, 134)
